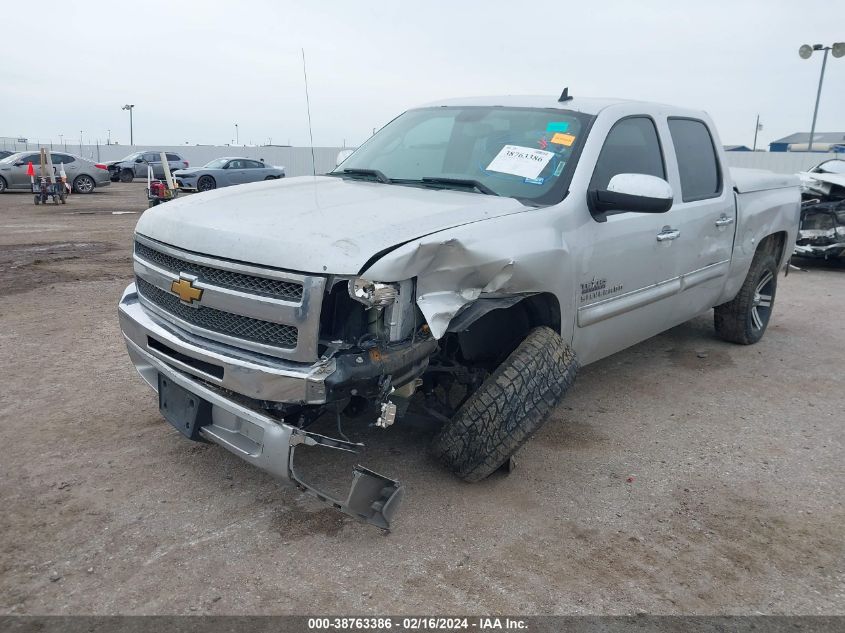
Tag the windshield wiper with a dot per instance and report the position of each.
(368, 172)
(460, 182)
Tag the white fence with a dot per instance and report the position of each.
(295, 160)
(780, 162)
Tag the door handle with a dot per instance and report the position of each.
(668, 234)
(724, 221)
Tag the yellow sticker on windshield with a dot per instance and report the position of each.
(563, 139)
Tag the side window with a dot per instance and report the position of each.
(173, 157)
(35, 159)
(235, 164)
(631, 147)
(254, 164)
(152, 157)
(697, 162)
(62, 159)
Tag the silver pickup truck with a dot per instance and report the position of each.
(459, 267)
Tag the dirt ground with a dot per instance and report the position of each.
(685, 475)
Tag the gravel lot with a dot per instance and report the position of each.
(685, 475)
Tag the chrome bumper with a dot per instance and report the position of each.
(252, 375)
(248, 433)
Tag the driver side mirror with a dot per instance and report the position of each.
(639, 193)
(342, 155)
(139, 160)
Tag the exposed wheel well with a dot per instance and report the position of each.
(492, 331)
(774, 244)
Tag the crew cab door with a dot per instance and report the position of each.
(627, 271)
(705, 215)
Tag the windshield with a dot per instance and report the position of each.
(524, 153)
(217, 163)
(131, 157)
(833, 166)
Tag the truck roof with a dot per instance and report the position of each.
(586, 105)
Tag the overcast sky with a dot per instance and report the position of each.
(195, 68)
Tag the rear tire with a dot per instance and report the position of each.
(744, 319)
(126, 175)
(84, 184)
(206, 183)
(509, 407)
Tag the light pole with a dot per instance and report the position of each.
(805, 52)
(757, 127)
(130, 106)
(108, 137)
(237, 138)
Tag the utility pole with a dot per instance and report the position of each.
(757, 128)
(237, 138)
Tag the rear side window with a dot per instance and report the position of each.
(62, 158)
(253, 164)
(174, 157)
(697, 162)
(631, 147)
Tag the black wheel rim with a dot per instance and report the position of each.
(761, 303)
(205, 184)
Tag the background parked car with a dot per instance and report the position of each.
(135, 165)
(222, 172)
(84, 175)
(4, 154)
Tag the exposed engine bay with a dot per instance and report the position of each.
(822, 230)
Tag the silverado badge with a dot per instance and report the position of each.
(185, 289)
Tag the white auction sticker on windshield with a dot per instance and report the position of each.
(520, 161)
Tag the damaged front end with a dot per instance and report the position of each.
(821, 233)
(261, 409)
(270, 444)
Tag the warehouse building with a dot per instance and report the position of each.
(798, 142)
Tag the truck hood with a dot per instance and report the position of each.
(318, 225)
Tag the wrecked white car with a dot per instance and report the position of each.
(821, 233)
(460, 265)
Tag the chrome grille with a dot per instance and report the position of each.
(285, 290)
(235, 325)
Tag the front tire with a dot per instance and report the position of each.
(206, 183)
(3, 185)
(83, 184)
(509, 407)
(745, 318)
(126, 175)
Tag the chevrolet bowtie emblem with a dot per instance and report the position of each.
(184, 288)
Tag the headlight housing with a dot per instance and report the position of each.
(373, 294)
